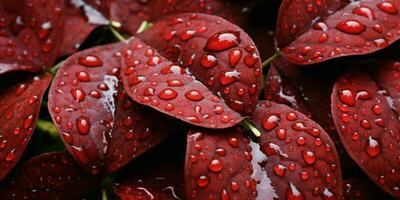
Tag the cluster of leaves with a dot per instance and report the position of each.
(181, 108)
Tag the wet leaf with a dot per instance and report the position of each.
(20, 103)
(315, 31)
(49, 176)
(132, 13)
(152, 80)
(219, 165)
(30, 34)
(300, 159)
(218, 53)
(95, 119)
(365, 110)
(362, 189)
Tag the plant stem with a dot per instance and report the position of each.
(270, 59)
(144, 26)
(104, 194)
(249, 125)
(55, 68)
(116, 34)
(47, 127)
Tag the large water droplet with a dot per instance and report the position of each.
(208, 61)
(292, 193)
(202, 181)
(347, 97)
(194, 95)
(388, 7)
(215, 165)
(167, 94)
(364, 11)
(83, 125)
(373, 147)
(351, 26)
(222, 41)
(90, 61)
(270, 122)
(309, 157)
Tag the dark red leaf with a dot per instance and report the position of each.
(96, 120)
(219, 165)
(218, 53)
(49, 176)
(80, 20)
(307, 90)
(132, 13)
(30, 34)
(302, 161)
(365, 110)
(158, 174)
(136, 130)
(360, 189)
(311, 32)
(19, 111)
(152, 80)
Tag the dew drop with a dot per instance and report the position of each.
(373, 147)
(351, 26)
(270, 122)
(83, 125)
(167, 94)
(388, 7)
(90, 61)
(222, 41)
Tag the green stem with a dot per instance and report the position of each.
(144, 26)
(249, 125)
(270, 59)
(55, 68)
(116, 33)
(47, 127)
(104, 194)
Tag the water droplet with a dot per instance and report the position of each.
(321, 26)
(78, 94)
(279, 170)
(222, 41)
(373, 147)
(234, 142)
(365, 124)
(194, 95)
(208, 61)
(175, 83)
(28, 121)
(167, 94)
(270, 122)
(90, 61)
(293, 193)
(347, 97)
(10, 156)
(364, 11)
(234, 57)
(187, 35)
(83, 76)
(309, 157)
(388, 7)
(351, 26)
(291, 116)
(83, 125)
(215, 165)
(202, 181)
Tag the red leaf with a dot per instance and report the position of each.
(302, 161)
(80, 20)
(219, 54)
(132, 13)
(307, 90)
(49, 176)
(152, 80)
(359, 189)
(19, 111)
(311, 32)
(365, 111)
(95, 122)
(158, 174)
(30, 35)
(136, 130)
(218, 165)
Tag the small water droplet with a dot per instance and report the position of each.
(351, 26)
(388, 7)
(222, 41)
(83, 125)
(90, 61)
